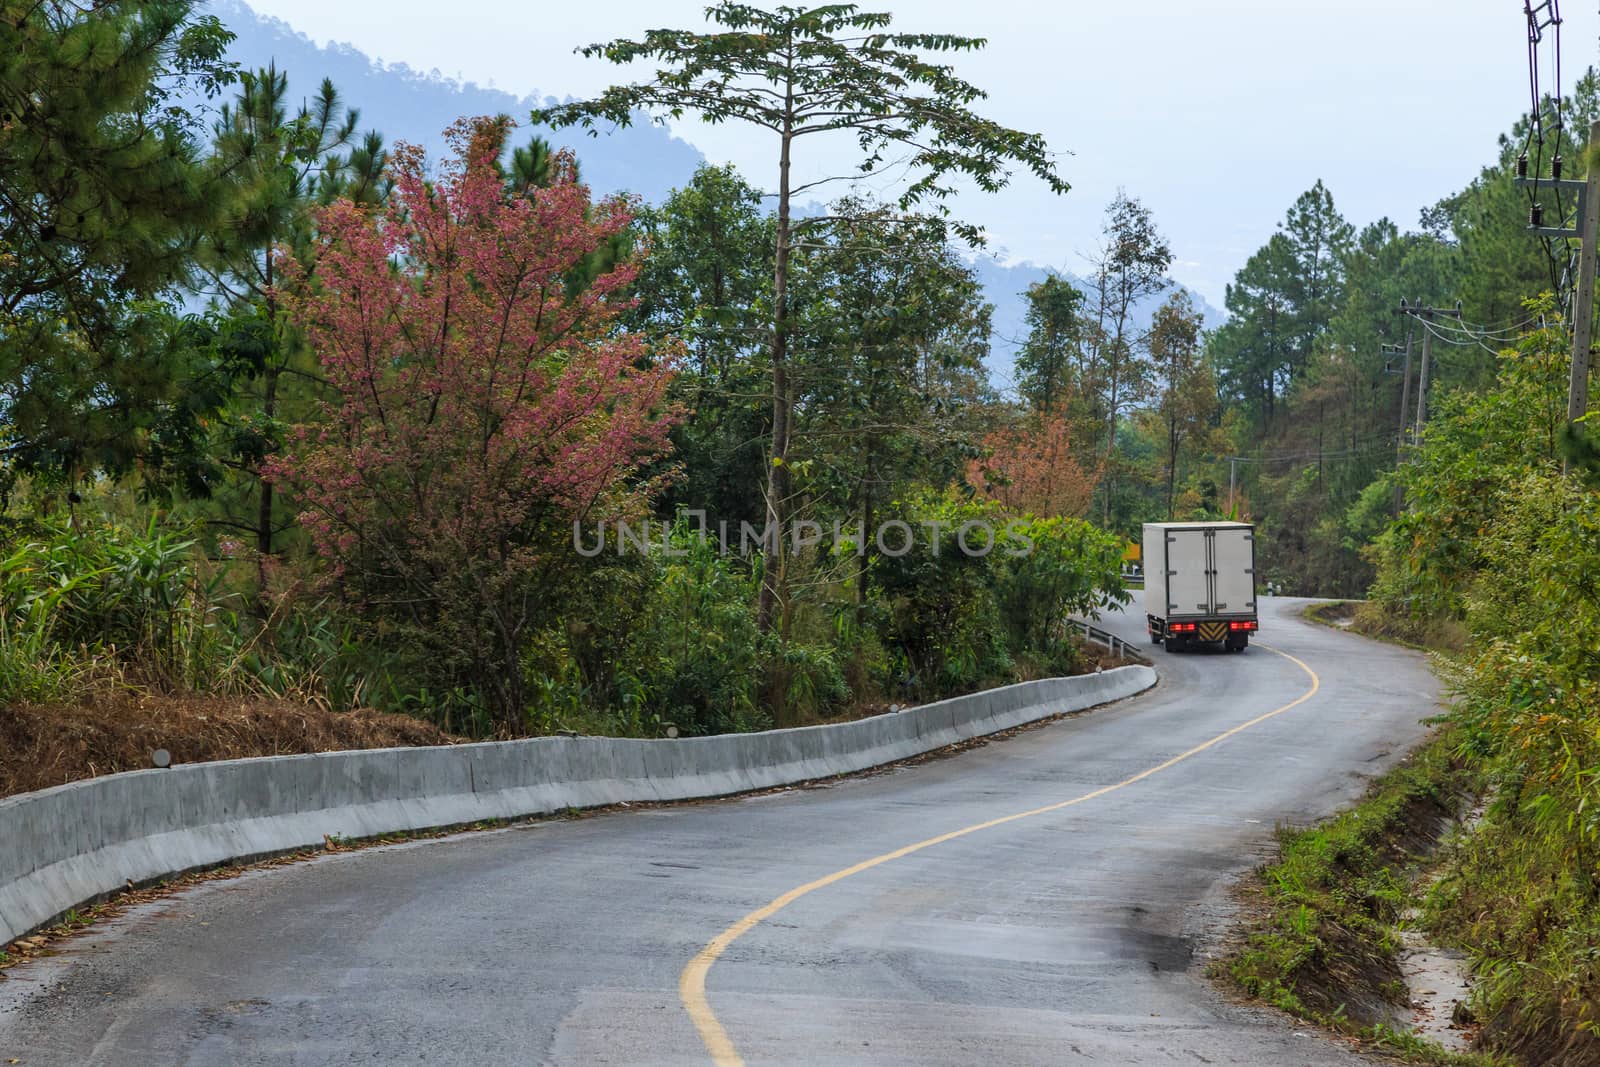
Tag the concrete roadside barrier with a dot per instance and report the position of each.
(64, 847)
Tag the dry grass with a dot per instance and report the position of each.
(42, 745)
(1431, 635)
(1368, 618)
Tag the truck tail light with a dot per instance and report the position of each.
(1250, 624)
(1183, 627)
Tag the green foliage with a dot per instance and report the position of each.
(1580, 447)
(706, 279)
(1283, 301)
(672, 641)
(109, 588)
(942, 614)
(1316, 364)
(708, 274)
(1186, 401)
(888, 367)
(1498, 542)
(1072, 568)
(1522, 893)
(277, 165)
(1319, 240)
(793, 73)
(1117, 375)
(1456, 483)
(840, 68)
(1055, 327)
(696, 651)
(980, 588)
(101, 191)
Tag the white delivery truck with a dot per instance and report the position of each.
(1200, 584)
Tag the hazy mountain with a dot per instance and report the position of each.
(415, 106)
(411, 105)
(1006, 286)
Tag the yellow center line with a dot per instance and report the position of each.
(692, 980)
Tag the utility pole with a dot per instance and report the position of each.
(1405, 390)
(1586, 228)
(1402, 433)
(1428, 315)
(1233, 478)
(1405, 409)
(1422, 386)
(1583, 299)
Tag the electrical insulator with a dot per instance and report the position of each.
(1555, 168)
(1522, 165)
(1535, 214)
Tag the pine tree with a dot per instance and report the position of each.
(101, 196)
(276, 166)
(1132, 267)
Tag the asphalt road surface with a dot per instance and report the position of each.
(1074, 934)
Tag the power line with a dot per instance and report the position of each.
(1374, 442)
(1513, 330)
(1380, 444)
(1426, 316)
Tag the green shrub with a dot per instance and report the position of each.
(1476, 445)
(961, 618)
(670, 639)
(1073, 569)
(695, 655)
(941, 616)
(102, 602)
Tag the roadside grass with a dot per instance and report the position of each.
(1322, 943)
(1369, 619)
(1528, 913)
(1520, 892)
(1334, 613)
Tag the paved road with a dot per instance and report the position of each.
(1075, 935)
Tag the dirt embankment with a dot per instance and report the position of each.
(46, 745)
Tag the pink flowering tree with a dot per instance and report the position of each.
(484, 397)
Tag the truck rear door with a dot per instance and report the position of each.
(1233, 561)
(1188, 584)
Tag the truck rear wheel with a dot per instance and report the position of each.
(1175, 644)
(1237, 644)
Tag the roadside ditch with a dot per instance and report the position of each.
(1334, 928)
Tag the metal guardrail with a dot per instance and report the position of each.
(1114, 644)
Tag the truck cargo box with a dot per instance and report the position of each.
(1200, 581)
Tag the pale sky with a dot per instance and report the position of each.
(1216, 115)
